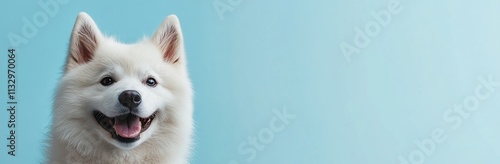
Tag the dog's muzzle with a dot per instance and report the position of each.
(127, 127)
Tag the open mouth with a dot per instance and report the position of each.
(125, 128)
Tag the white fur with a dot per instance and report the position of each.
(76, 135)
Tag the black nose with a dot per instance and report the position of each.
(130, 98)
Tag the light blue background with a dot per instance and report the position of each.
(267, 55)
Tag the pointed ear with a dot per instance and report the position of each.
(84, 40)
(169, 39)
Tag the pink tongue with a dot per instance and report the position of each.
(129, 127)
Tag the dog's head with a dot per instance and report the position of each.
(123, 94)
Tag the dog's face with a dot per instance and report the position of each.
(123, 94)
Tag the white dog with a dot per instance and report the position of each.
(123, 103)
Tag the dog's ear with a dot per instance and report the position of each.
(169, 39)
(84, 40)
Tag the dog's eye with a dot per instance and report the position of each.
(151, 82)
(107, 81)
